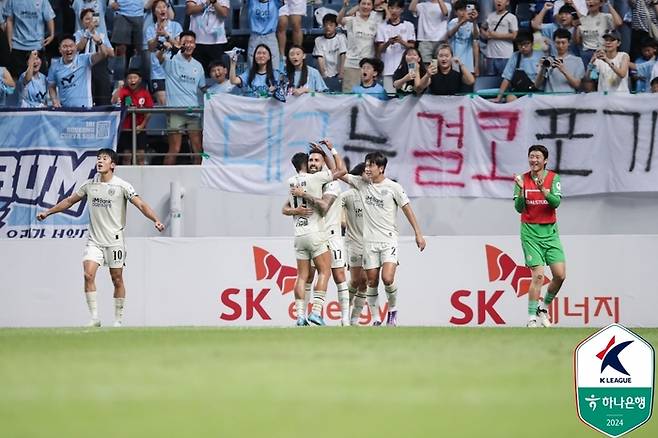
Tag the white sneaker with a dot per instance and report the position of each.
(94, 323)
(532, 323)
(544, 319)
(118, 323)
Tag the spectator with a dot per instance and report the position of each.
(361, 32)
(25, 27)
(564, 20)
(612, 65)
(521, 69)
(291, 12)
(261, 78)
(432, 25)
(464, 35)
(149, 16)
(7, 85)
(164, 29)
(330, 50)
(90, 40)
(184, 79)
(263, 20)
(499, 30)
(449, 74)
(592, 26)
(69, 77)
(219, 80)
(127, 30)
(644, 24)
(643, 65)
(411, 76)
(207, 22)
(393, 38)
(302, 78)
(133, 94)
(654, 85)
(562, 73)
(371, 69)
(97, 6)
(32, 85)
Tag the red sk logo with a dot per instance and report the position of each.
(267, 267)
(501, 265)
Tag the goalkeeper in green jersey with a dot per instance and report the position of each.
(537, 195)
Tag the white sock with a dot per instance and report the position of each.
(343, 300)
(357, 308)
(91, 304)
(118, 309)
(318, 301)
(392, 295)
(373, 305)
(301, 308)
(308, 294)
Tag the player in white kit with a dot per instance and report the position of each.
(106, 198)
(381, 198)
(311, 239)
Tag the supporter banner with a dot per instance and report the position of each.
(44, 156)
(456, 281)
(438, 146)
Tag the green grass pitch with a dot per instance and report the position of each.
(311, 382)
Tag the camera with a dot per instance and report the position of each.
(160, 46)
(547, 61)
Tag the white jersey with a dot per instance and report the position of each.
(312, 184)
(380, 202)
(332, 217)
(351, 203)
(107, 208)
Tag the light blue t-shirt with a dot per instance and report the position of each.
(73, 80)
(91, 45)
(548, 29)
(314, 81)
(462, 43)
(97, 5)
(174, 28)
(183, 79)
(224, 87)
(30, 17)
(644, 69)
(259, 86)
(148, 16)
(131, 8)
(557, 83)
(34, 94)
(528, 64)
(263, 16)
(5, 90)
(375, 90)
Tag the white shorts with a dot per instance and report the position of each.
(309, 246)
(293, 7)
(375, 254)
(337, 248)
(354, 253)
(112, 256)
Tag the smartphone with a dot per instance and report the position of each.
(96, 19)
(575, 16)
(411, 66)
(470, 7)
(434, 63)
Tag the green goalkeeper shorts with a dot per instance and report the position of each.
(538, 253)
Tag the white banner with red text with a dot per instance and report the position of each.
(456, 281)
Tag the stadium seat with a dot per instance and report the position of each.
(179, 14)
(487, 84)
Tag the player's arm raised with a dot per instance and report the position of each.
(337, 167)
(147, 211)
(62, 205)
(411, 217)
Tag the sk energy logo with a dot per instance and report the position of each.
(500, 267)
(614, 375)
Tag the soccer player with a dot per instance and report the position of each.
(537, 195)
(381, 198)
(107, 195)
(310, 232)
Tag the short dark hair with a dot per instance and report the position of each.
(134, 71)
(459, 4)
(654, 81)
(317, 151)
(358, 169)
(66, 36)
(186, 33)
(562, 33)
(523, 36)
(567, 9)
(377, 64)
(329, 18)
(217, 63)
(84, 12)
(539, 148)
(299, 160)
(110, 153)
(648, 42)
(377, 158)
(398, 3)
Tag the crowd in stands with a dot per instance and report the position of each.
(146, 55)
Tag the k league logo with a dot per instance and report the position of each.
(614, 374)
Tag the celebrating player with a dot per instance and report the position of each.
(107, 195)
(537, 194)
(381, 198)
